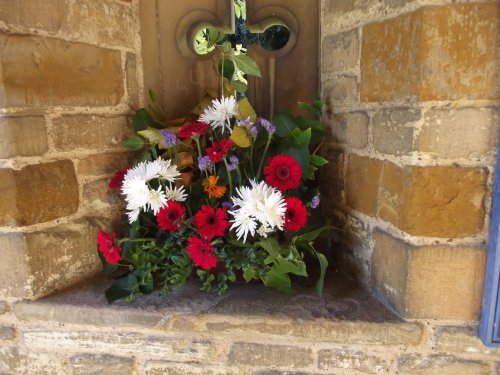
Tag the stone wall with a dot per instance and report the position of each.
(69, 80)
(412, 99)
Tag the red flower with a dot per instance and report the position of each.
(171, 216)
(219, 150)
(107, 247)
(295, 215)
(283, 172)
(117, 179)
(211, 222)
(188, 130)
(201, 252)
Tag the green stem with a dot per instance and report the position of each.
(154, 154)
(252, 171)
(229, 178)
(259, 171)
(136, 240)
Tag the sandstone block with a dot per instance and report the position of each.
(459, 133)
(132, 84)
(169, 368)
(105, 164)
(393, 130)
(421, 282)
(462, 340)
(341, 91)
(97, 196)
(47, 15)
(332, 181)
(341, 52)
(3, 307)
(24, 361)
(40, 71)
(56, 194)
(105, 364)
(352, 360)
(418, 56)
(90, 132)
(350, 129)
(248, 354)
(417, 364)
(7, 332)
(22, 136)
(341, 7)
(362, 180)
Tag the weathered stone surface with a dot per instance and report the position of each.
(7, 332)
(90, 132)
(391, 192)
(341, 7)
(393, 130)
(105, 164)
(105, 22)
(97, 196)
(23, 361)
(40, 71)
(3, 307)
(459, 133)
(352, 360)
(462, 341)
(132, 84)
(169, 368)
(421, 282)
(332, 182)
(350, 129)
(22, 136)
(85, 364)
(341, 91)
(416, 364)
(362, 181)
(341, 52)
(46, 15)
(418, 56)
(55, 196)
(248, 354)
(48, 260)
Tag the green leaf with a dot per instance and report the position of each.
(153, 96)
(241, 137)
(311, 172)
(107, 268)
(318, 161)
(311, 236)
(247, 65)
(234, 242)
(304, 138)
(323, 263)
(154, 136)
(142, 120)
(239, 86)
(249, 274)
(135, 143)
(271, 245)
(285, 124)
(296, 267)
(215, 35)
(301, 154)
(277, 280)
(229, 69)
(121, 288)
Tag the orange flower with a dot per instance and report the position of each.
(212, 189)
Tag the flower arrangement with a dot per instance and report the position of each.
(219, 195)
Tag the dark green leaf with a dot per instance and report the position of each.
(296, 267)
(278, 281)
(301, 154)
(239, 86)
(323, 263)
(134, 143)
(318, 161)
(285, 124)
(142, 120)
(247, 65)
(228, 69)
(153, 96)
(249, 274)
(304, 138)
(215, 35)
(311, 172)
(107, 268)
(121, 288)
(311, 236)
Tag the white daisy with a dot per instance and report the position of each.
(176, 194)
(166, 170)
(136, 193)
(138, 171)
(157, 200)
(221, 112)
(133, 215)
(244, 224)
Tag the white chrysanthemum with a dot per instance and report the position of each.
(133, 215)
(157, 200)
(257, 203)
(166, 170)
(221, 112)
(263, 231)
(140, 171)
(176, 194)
(136, 193)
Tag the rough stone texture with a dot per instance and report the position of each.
(3, 307)
(47, 15)
(85, 364)
(55, 196)
(462, 340)
(393, 130)
(169, 368)
(421, 282)
(459, 133)
(269, 355)
(341, 52)
(341, 91)
(48, 260)
(352, 360)
(7, 332)
(98, 197)
(104, 164)
(41, 71)
(22, 136)
(416, 364)
(25, 361)
(132, 84)
(332, 182)
(362, 180)
(350, 129)
(90, 132)
(418, 56)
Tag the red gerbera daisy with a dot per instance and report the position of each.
(107, 247)
(219, 150)
(171, 216)
(188, 130)
(201, 252)
(283, 172)
(295, 215)
(117, 179)
(211, 222)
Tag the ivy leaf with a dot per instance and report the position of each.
(285, 124)
(134, 143)
(296, 267)
(240, 137)
(247, 65)
(246, 110)
(142, 120)
(277, 280)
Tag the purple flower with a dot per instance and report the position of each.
(315, 202)
(204, 163)
(250, 127)
(233, 163)
(227, 204)
(170, 138)
(266, 124)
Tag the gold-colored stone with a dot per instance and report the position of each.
(362, 181)
(48, 15)
(22, 136)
